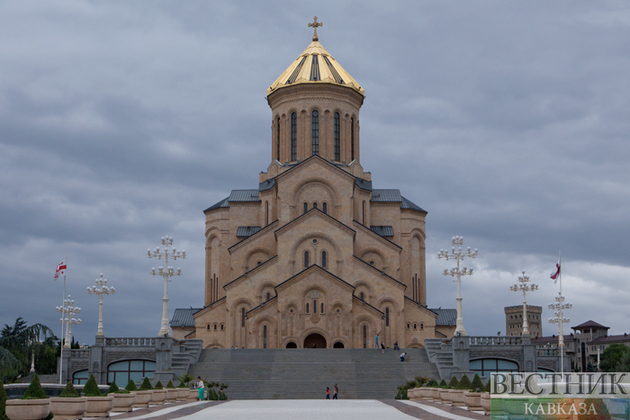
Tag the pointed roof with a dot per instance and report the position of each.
(315, 65)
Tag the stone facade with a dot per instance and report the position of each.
(314, 257)
(514, 320)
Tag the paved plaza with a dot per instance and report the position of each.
(303, 410)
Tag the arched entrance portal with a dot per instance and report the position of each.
(315, 341)
(291, 345)
(338, 345)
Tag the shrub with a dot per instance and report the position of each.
(181, 384)
(91, 388)
(169, 385)
(421, 380)
(432, 383)
(464, 383)
(3, 402)
(146, 385)
(443, 384)
(476, 385)
(212, 394)
(35, 390)
(69, 391)
(453, 383)
(113, 388)
(159, 385)
(131, 386)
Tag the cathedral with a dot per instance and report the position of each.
(315, 257)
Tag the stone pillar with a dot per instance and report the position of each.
(461, 352)
(529, 354)
(95, 365)
(164, 359)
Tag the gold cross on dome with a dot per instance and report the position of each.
(315, 25)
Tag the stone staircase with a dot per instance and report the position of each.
(187, 355)
(305, 373)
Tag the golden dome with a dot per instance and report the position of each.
(315, 65)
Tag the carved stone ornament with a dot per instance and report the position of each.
(315, 318)
(314, 294)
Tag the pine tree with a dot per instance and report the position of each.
(69, 391)
(146, 385)
(91, 388)
(35, 390)
(131, 386)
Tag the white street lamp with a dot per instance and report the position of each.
(558, 307)
(68, 312)
(100, 288)
(458, 255)
(166, 272)
(524, 287)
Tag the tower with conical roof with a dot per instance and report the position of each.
(314, 256)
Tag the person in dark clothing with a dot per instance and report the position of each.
(335, 393)
(327, 393)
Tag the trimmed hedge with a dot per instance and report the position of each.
(169, 385)
(35, 390)
(69, 391)
(476, 385)
(159, 385)
(464, 383)
(145, 385)
(91, 388)
(131, 386)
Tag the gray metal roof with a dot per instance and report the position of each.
(246, 231)
(183, 317)
(221, 204)
(244, 195)
(406, 204)
(386, 196)
(363, 184)
(267, 185)
(446, 317)
(383, 230)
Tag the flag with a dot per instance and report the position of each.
(556, 273)
(61, 270)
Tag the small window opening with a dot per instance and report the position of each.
(325, 208)
(324, 259)
(306, 259)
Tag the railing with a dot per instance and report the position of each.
(496, 341)
(547, 352)
(131, 341)
(80, 353)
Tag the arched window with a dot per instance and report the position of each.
(80, 377)
(485, 366)
(325, 208)
(306, 307)
(351, 139)
(315, 123)
(315, 205)
(267, 214)
(337, 138)
(135, 370)
(305, 207)
(363, 211)
(305, 259)
(314, 306)
(278, 140)
(362, 296)
(242, 317)
(387, 317)
(265, 337)
(268, 295)
(322, 311)
(294, 136)
(365, 336)
(324, 259)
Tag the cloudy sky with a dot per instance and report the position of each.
(121, 121)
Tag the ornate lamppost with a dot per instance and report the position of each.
(558, 307)
(100, 288)
(68, 312)
(458, 255)
(166, 272)
(524, 287)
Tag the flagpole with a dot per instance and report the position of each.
(63, 316)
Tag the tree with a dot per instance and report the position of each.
(613, 358)
(24, 341)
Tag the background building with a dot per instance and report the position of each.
(514, 320)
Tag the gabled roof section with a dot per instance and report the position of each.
(315, 65)
(267, 184)
(406, 204)
(393, 196)
(373, 308)
(253, 235)
(387, 276)
(183, 317)
(364, 184)
(380, 238)
(221, 204)
(313, 212)
(272, 301)
(247, 273)
(244, 196)
(589, 324)
(307, 271)
(313, 158)
(209, 307)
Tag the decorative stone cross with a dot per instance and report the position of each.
(315, 25)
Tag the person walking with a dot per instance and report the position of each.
(327, 393)
(376, 342)
(335, 393)
(201, 387)
(382, 347)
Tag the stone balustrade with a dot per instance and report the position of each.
(131, 341)
(496, 341)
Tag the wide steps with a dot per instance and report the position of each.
(305, 373)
